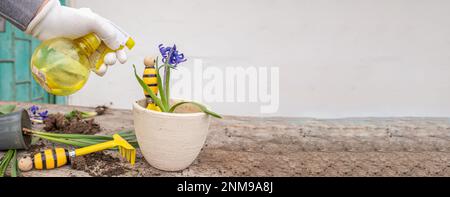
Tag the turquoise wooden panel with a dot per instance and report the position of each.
(7, 85)
(22, 56)
(5, 42)
(16, 81)
(7, 79)
(22, 52)
(23, 92)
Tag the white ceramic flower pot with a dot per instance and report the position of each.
(170, 141)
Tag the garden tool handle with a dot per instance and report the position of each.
(94, 148)
(45, 160)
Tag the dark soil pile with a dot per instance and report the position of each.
(99, 164)
(58, 123)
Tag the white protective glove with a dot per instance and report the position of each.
(55, 21)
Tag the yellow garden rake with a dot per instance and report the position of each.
(53, 158)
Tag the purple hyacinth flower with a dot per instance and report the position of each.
(34, 109)
(164, 51)
(44, 114)
(175, 56)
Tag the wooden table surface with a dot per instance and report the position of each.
(251, 146)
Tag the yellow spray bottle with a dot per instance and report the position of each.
(62, 66)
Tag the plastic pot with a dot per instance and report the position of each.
(170, 141)
(11, 134)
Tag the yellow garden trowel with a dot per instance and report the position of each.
(53, 158)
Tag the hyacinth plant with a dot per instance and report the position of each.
(171, 58)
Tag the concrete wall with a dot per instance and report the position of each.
(335, 58)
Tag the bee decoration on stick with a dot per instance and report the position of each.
(150, 79)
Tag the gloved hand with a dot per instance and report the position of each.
(55, 21)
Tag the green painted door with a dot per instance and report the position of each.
(16, 81)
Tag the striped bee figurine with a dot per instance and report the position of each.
(150, 79)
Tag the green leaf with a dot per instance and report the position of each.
(63, 141)
(71, 114)
(6, 109)
(14, 169)
(150, 92)
(82, 140)
(160, 85)
(126, 132)
(4, 163)
(83, 114)
(167, 68)
(200, 106)
(168, 65)
(34, 140)
(17, 168)
(73, 136)
(167, 85)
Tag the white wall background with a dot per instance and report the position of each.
(337, 58)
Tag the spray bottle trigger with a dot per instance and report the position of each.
(103, 50)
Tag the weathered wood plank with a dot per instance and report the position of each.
(247, 146)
